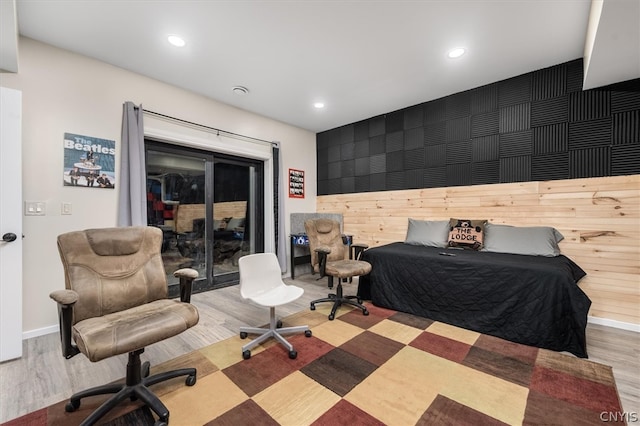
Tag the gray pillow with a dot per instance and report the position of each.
(431, 233)
(531, 240)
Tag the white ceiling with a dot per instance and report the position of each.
(361, 58)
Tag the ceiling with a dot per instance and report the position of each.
(360, 58)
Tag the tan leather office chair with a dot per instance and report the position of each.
(330, 256)
(115, 302)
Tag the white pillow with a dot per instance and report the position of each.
(532, 240)
(430, 233)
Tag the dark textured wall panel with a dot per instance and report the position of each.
(436, 155)
(624, 160)
(414, 159)
(395, 141)
(395, 161)
(514, 91)
(394, 121)
(590, 134)
(515, 144)
(626, 127)
(458, 175)
(590, 162)
(413, 117)
(376, 126)
(485, 124)
(414, 138)
(589, 105)
(550, 166)
(485, 173)
(624, 101)
(362, 149)
(435, 134)
(549, 83)
(484, 99)
(435, 111)
(548, 139)
(435, 177)
(515, 169)
(485, 148)
(515, 118)
(549, 111)
(377, 145)
(458, 129)
(459, 152)
(539, 126)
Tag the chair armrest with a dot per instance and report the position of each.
(65, 300)
(186, 275)
(322, 259)
(357, 249)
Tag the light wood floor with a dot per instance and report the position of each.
(43, 377)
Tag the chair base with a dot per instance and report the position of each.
(339, 299)
(135, 387)
(273, 331)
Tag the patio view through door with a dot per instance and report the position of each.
(210, 209)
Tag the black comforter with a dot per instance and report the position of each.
(531, 300)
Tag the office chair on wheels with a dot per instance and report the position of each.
(261, 282)
(115, 302)
(331, 256)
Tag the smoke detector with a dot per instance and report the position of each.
(240, 90)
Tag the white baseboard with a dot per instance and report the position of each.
(615, 324)
(593, 320)
(40, 332)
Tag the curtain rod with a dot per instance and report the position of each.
(218, 131)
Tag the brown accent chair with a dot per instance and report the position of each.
(331, 256)
(115, 302)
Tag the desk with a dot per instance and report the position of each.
(298, 240)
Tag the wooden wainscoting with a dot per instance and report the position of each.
(599, 218)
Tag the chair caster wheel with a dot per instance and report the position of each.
(293, 354)
(313, 307)
(243, 335)
(246, 354)
(72, 406)
(365, 312)
(161, 423)
(279, 324)
(191, 380)
(307, 333)
(331, 317)
(146, 368)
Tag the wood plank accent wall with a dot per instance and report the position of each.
(599, 218)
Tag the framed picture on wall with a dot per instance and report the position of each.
(89, 162)
(296, 183)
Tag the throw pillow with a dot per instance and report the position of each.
(430, 233)
(531, 240)
(466, 233)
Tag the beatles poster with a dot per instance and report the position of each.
(296, 183)
(89, 162)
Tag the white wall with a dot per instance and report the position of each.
(65, 92)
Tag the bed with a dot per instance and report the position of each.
(533, 300)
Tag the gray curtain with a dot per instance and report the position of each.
(132, 181)
(278, 190)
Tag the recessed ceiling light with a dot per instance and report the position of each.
(318, 105)
(176, 40)
(240, 90)
(456, 53)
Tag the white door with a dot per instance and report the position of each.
(10, 224)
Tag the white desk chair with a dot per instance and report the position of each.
(261, 282)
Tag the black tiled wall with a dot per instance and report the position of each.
(537, 126)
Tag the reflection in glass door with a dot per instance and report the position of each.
(209, 207)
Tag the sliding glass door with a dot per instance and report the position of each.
(210, 209)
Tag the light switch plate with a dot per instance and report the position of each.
(66, 208)
(35, 208)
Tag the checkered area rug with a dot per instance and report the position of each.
(387, 368)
